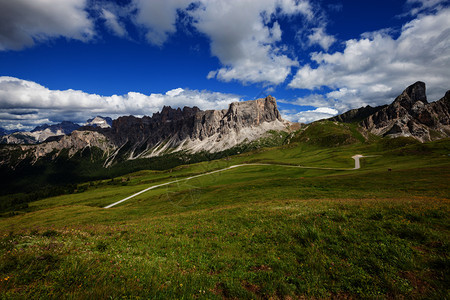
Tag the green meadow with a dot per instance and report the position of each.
(253, 232)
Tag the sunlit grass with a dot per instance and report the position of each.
(250, 232)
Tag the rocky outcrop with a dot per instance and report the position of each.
(411, 115)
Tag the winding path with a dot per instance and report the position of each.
(355, 157)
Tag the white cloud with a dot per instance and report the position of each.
(174, 92)
(380, 67)
(249, 49)
(112, 22)
(243, 41)
(335, 102)
(26, 103)
(23, 22)
(309, 116)
(158, 17)
(320, 37)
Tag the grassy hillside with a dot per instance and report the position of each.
(29, 181)
(250, 232)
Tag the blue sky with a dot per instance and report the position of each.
(74, 59)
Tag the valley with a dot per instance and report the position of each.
(321, 210)
(259, 231)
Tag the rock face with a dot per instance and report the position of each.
(411, 115)
(171, 130)
(195, 130)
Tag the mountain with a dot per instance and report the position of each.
(195, 130)
(410, 115)
(65, 127)
(98, 121)
(40, 133)
(4, 131)
(171, 130)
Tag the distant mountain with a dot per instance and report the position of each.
(4, 131)
(65, 127)
(40, 133)
(410, 115)
(98, 121)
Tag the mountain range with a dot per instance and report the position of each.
(191, 130)
(47, 133)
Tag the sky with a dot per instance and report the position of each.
(76, 59)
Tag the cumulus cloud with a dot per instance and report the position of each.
(25, 104)
(242, 33)
(241, 37)
(374, 69)
(24, 22)
(320, 37)
(158, 18)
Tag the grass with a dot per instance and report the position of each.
(250, 232)
(313, 248)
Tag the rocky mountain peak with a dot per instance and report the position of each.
(99, 121)
(412, 94)
(411, 115)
